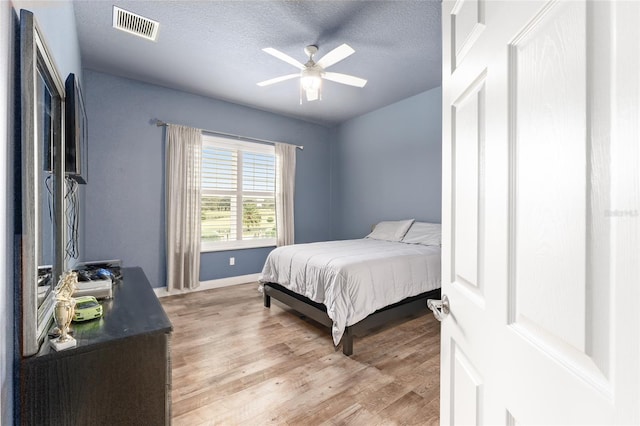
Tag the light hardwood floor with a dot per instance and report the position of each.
(236, 362)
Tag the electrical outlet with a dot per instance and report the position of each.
(232, 261)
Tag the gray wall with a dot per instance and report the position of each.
(125, 191)
(382, 165)
(57, 23)
(386, 165)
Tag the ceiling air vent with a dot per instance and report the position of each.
(135, 24)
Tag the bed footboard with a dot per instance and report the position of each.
(313, 310)
(318, 312)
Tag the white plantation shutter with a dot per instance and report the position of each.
(219, 188)
(238, 194)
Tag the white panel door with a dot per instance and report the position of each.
(541, 212)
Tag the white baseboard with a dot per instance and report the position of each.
(208, 285)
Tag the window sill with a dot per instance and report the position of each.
(236, 245)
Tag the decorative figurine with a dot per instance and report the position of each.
(64, 309)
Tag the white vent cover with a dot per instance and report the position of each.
(135, 24)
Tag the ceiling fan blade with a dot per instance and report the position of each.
(278, 79)
(283, 57)
(344, 79)
(336, 55)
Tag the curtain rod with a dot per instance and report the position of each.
(161, 123)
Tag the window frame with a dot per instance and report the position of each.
(241, 146)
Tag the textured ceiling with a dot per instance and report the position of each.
(213, 48)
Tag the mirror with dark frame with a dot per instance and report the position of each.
(42, 182)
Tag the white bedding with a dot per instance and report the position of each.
(354, 278)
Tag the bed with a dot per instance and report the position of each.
(355, 285)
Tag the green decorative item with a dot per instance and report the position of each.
(87, 308)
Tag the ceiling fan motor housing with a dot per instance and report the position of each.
(311, 50)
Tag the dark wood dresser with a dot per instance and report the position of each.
(118, 374)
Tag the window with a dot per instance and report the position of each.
(238, 194)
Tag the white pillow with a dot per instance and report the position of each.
(391, 230)
(424, 233)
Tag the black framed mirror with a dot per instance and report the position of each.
(42, 182)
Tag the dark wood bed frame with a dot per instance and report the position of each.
(318, 312)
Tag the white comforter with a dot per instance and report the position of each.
(354, 278)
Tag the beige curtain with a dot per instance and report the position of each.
(182, 193)
(285, 189)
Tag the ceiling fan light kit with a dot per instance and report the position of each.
(312, 73)
(311, 83)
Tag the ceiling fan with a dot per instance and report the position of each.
(312, 73)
